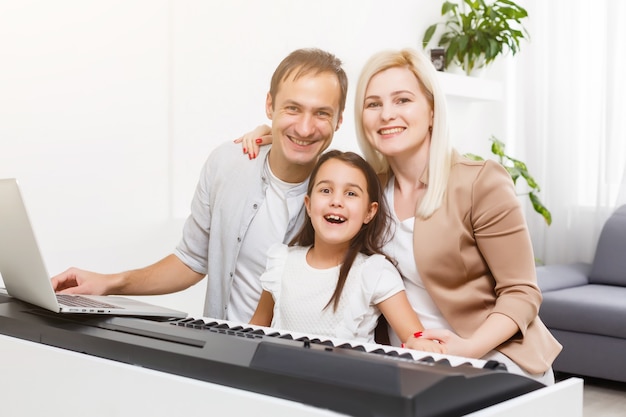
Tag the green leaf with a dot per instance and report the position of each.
(448, 7)
(513, 172)
(463, 41)
(493, 49)
(517, 163)
(450, 53)
(497, 147)
(540, 208)
(529, 180)
(429, 34)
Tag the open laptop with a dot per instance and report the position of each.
(25, 275)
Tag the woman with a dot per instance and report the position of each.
(460, 238)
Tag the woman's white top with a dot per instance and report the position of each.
(400, 248)
(301, 292)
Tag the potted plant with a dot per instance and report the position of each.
(477, 32)
(517, 169)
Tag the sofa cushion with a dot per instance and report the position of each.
(593, 309)
(609, 263)
(559, 276)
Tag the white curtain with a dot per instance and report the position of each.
(570, 114)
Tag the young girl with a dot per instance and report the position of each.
(333, 279)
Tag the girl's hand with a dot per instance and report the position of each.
(453, 344)
(252, 141)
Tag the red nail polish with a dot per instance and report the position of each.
(417, 334)
(402, 345)
(245, 150)
(258, 140)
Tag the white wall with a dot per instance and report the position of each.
(109, 108)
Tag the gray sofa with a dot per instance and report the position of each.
(584, 306)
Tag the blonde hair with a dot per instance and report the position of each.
(440, 158)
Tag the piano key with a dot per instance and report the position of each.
(429, 357)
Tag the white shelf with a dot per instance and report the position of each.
(470, 88)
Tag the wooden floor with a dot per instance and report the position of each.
(602, 398)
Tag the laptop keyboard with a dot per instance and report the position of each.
(78, 301)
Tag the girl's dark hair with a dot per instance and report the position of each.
(372, 236)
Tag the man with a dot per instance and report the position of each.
(240, 208)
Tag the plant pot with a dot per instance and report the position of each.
(478, 72)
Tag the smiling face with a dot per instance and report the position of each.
(397, 117)
(339, 203)
(305, 114)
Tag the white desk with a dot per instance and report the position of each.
(36, 379)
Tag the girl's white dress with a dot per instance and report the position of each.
(301, 292)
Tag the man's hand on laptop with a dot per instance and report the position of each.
(77, 281)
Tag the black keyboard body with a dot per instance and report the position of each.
(345, 378)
